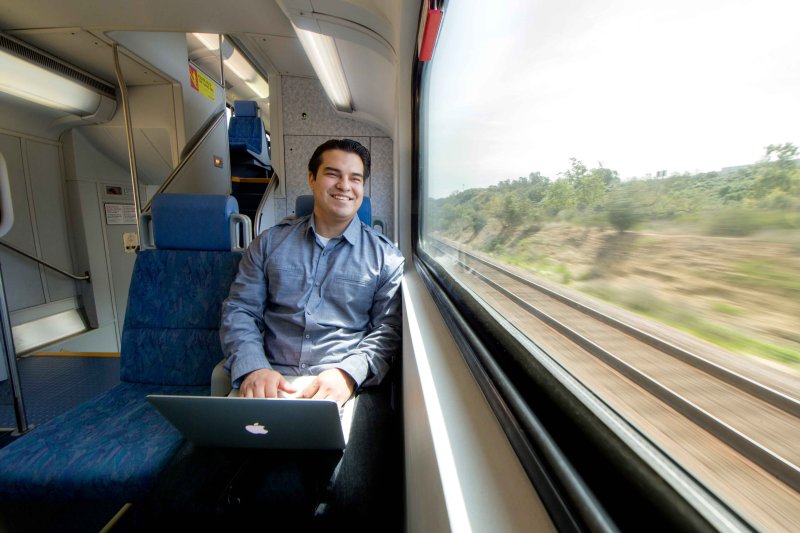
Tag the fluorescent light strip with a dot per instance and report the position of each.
(36, 84)
(321, 51)
(209, 40)
(237, 64)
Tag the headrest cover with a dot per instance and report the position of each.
(304, 205)
(193, 221)
(245, 108)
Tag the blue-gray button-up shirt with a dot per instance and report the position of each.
(298, 307)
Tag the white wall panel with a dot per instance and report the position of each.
(21, 276)
(51, 218)
(309, 120)
(307, 111)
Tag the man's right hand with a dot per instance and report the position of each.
(264, 383)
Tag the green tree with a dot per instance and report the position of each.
(590, 191)
(510, 209)
(560, 195)
(778, 170)
(478, 221)
(623, 214)
(537, 186)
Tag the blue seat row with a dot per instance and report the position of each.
(114, 447)
(247, 142)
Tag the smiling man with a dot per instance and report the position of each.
(319, 295)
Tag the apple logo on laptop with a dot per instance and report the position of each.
(256, 429)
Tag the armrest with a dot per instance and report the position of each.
(220, 381)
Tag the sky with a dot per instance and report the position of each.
(520, 86)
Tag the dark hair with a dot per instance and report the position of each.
(345, 145)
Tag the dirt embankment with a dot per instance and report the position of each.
(746, 285)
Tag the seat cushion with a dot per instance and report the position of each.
(112, 449)
(247, 134)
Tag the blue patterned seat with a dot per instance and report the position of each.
(114, 447)
(247, 142)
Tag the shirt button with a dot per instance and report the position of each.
(308, 336)
(324, 253)
(303, 365)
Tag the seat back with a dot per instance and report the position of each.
(304, 205)
(171, 332)
(247, 142)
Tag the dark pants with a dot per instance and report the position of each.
(361, 487)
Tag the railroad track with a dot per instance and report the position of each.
(757, 421)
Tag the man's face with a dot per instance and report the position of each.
(338, 187)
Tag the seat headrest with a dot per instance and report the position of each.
(304, 205)
(193, 221)
(245, 108)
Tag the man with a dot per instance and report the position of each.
(319, 295)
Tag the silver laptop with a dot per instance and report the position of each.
(254, 422)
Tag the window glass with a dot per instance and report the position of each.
(642, 160)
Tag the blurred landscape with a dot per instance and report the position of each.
(716, 254)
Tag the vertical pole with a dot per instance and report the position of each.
(7, 340)
(123, 91)
(221, 66)
(11, 359)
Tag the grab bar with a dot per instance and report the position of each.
(42, 262)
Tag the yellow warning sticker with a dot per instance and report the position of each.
(202, 83)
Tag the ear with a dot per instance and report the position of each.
(311, 181)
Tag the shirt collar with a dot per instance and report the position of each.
(352, 233)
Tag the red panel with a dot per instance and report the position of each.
(432, 22)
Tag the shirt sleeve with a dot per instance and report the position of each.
(369, 363)
(242, 324)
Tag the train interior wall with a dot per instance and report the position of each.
(63, 179)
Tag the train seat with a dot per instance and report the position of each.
(247, 142)
(113, 448)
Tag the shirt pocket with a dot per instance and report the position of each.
(353, 296)
(286, 286)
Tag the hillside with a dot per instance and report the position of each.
(740, 293)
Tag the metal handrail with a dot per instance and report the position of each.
(126, 111)
(271, 186)
(210, 126)
(86, 277)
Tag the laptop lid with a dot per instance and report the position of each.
(227, 422)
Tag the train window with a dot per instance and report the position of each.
(619, 181)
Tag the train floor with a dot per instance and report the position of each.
(53, 384)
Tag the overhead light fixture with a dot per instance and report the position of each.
(236, 63)
(321, 51)
(31, 82)
(209, 40)
(242, 68)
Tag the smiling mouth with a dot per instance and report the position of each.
(340, 197)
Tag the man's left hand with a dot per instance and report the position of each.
(332, 384)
